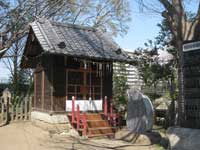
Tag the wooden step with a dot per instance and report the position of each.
(93, 116)
(99, 123)
(89, 116)
(98, 131)
(103, 130)
(114, 128)
(96, 125)
(97, 135)
(98, 128)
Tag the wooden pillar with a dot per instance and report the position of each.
(105, 106)
(73, 110)
(51, 84)
(84, 84)
(35, 89)
(84, 124)
(42, 90)
(101, 86)
(66, 83)
(78, 117)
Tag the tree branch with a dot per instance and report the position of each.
(168, 6)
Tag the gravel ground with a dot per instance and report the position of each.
(26, 136)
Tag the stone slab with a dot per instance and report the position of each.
(54, 119)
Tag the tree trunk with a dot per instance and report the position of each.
(172, 105)
(15, 69)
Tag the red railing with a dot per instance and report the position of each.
(113, 118)
(73, 110)
(78, 119)
(105, 107)
(84, 124)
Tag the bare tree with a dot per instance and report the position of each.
(109, 15)
(18, 78)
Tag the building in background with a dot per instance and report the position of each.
(134, 80)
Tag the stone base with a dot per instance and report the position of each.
(183, 138)
(54, 119)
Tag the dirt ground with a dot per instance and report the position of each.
(27, 136)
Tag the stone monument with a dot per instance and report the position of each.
(140, 112)
(6, 94)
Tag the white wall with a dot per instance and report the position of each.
(133, 79)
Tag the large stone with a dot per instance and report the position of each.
(163, 103)
(183, 138)
(71, 133)
(52, 128)
(54, 119)
(139, 112)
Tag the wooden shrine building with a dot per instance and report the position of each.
(69, 60)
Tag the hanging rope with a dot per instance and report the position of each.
(90, 80)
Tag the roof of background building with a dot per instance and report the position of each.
(163, 56)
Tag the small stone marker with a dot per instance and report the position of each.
(140, 112)
(6, 94)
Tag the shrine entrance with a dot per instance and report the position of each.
(84, 83)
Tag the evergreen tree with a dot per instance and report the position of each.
(120, 88)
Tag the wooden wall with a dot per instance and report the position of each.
(37, 88)
(47, 89)
(59, 84)
(107, 83)
(50, 83)
(43, 83)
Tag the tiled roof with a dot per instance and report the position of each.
(78, 41)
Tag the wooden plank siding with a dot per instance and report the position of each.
(35, 89)
(47, 91)
(59, 80)
(42, 89)
(38, 89)
(51, 87)
(51, 83)
(107, 83)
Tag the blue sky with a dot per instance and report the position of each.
(142, 27)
